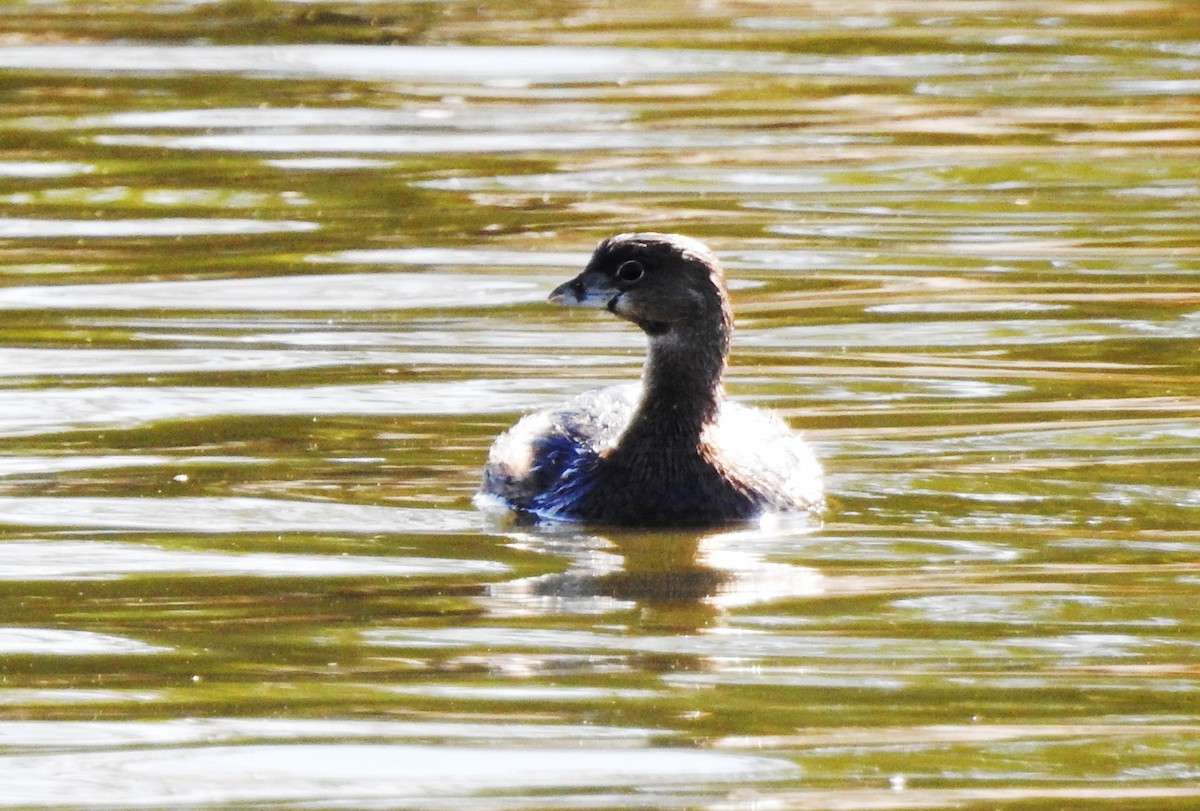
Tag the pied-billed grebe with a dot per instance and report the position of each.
(675, 452)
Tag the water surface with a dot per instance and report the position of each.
(273, 277)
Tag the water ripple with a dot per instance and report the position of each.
(100, 560)
(54, 642)
(232, 514)
(51, 734)
(27, 228)
(27, 412)
(449, 142)
(351, 291)
(44, 169)
(546, 64)
(341, 773)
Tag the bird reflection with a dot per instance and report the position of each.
(681, 580)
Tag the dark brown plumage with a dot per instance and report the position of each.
(675, 453)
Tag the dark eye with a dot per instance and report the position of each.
(630, 271)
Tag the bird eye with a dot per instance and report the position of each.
(630, 271)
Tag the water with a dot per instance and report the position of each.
(274, 276)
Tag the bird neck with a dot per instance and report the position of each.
(681, 387)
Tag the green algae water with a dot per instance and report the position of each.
(273, 275)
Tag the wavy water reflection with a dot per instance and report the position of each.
(300, 293)
(49, 642)
(199, 514)
(379, 773)
(70, 560)
(548, 64)
(21, 228)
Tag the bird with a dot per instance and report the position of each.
(672, 451)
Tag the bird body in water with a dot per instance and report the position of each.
(674, 451)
